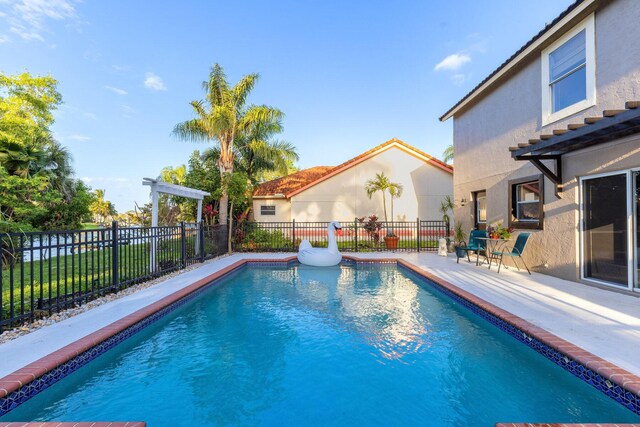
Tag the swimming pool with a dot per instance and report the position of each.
(356, 345)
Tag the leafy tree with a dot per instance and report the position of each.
(203, 174)
(100, 208)
(220, 117)
(169, 206)
(238, 191)
(23, 201)
(38, 189)
(73, 211)
(26, 109)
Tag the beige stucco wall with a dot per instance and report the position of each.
(511, 114)
(283, 210)
(343, 196)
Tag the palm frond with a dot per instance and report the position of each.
(243, 88)
(447, 154)
(191, 130)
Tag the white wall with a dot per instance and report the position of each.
(511, 114)
(283, 210)
(343, 196)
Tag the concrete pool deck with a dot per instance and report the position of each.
(602, 322)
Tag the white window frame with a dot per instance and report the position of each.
(548, 116)
(521, 202)
(631, 242)
(271, 208)
(477, 206)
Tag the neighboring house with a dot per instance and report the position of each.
(326, 193)
(550, 142)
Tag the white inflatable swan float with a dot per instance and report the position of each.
(321, 257)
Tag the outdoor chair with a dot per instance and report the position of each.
(476, 244)
(515, 252)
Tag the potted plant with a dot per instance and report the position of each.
(447, 206)
(372, 226)
(460, 241)
(382, 183)
(497, 231)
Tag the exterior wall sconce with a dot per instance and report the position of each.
(463, 201)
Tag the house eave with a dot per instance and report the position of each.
(511, 65)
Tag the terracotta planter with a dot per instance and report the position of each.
(391, 242)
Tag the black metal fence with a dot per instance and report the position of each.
(356, 236)
(46, 272)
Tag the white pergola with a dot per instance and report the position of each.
(158, 187)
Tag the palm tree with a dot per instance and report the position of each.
(177, 175)
(447, 154)
(382, 183)
(220, 117)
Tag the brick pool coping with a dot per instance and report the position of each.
(29, 373)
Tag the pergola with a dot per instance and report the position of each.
(158, 187)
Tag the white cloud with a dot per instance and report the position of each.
(453, 62)
(78, 137)
(458, 79)
(90, 116)
(3, 38)
(127, 111)
(154, 82)
(27, 18)
(120, 68)
(116, 90)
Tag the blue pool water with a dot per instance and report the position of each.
(349, 345)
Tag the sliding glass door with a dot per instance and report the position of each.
(635, 201)
(606, 229)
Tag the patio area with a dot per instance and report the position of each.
(603, 322)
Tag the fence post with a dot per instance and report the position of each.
(114, 255)
(201, 241)
(355, 226)
(418, 232)
(293, 234)
(183, 245)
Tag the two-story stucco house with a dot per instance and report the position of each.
(325, 193)
(550, 142)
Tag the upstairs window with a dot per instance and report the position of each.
(267, 210)
(568, 73)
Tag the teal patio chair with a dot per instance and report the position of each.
(475, 244)
(515, 252)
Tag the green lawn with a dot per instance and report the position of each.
(90, 226)
(71, 276)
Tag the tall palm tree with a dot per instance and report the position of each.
(382, 183)
(447, 154)
(220, 117)
(256, 156)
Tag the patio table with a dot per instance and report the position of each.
(491, 246)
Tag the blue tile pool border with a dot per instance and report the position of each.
(617, 392)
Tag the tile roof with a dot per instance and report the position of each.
(289, 183)
(300, 181)
(542, 32)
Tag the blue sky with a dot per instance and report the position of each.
(348, 74)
